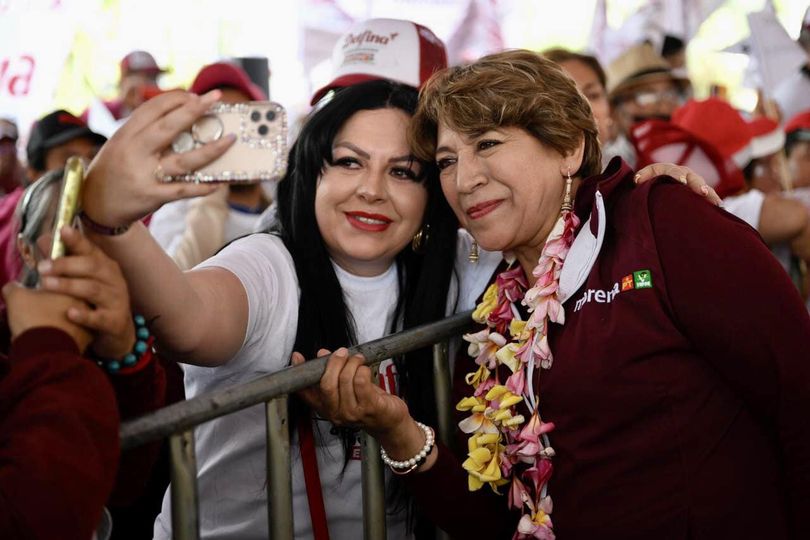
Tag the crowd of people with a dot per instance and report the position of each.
(640, 366)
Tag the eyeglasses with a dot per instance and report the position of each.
(33, 191)
(645, 98)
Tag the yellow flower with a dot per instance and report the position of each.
(506, 356)
(505, 398)
(489, 302)
(476, 378)
(483, 464)
(478, 421)
(516, 328)
(472, 403)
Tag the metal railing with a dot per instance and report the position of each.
(178, 420)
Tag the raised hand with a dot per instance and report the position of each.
(123, 182)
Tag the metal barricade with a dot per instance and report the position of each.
(178, 420)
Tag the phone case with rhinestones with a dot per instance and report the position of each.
(259, 153)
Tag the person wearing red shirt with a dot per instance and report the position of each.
(58, 423)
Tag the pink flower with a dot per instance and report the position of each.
(511, 284)
(535, 428)
(484, 387)
(516, 383)
(483, 346)
(530, 444)
(540, 474)
(518, 495)
(501, 316)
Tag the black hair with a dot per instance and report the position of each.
(748, 171)
(793, 138)
(424, 278)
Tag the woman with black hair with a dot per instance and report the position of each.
(356, 254)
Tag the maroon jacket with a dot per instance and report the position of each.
(680, 402)
(58, 439)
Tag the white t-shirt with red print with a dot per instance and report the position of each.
(230, 450)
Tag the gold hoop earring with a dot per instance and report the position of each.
(473, 256)
(567, 205)
(420, 239)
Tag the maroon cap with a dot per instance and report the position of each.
(140, 62)
(226, 75)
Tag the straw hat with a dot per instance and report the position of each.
(638, 65)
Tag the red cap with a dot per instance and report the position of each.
(393, 49)
(140, 62)
(716, 122)
(766, 137)
(657, 141)
(226, 75)
(800, 122)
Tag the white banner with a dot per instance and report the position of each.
(35, 37)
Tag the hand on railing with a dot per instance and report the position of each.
(348, 396)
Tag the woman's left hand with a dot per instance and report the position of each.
(684, 175)
(89, 275)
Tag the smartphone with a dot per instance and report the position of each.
(259, 153)
(69, 195)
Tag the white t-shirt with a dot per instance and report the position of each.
(747, 206)
(230, 450)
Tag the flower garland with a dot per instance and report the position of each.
(503, 447)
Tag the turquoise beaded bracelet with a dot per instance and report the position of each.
(141, 351)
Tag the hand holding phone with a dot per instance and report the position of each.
(69, 197)
(259, 153)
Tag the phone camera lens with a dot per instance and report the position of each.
(263, 130)
(271, 115)
(255, 116)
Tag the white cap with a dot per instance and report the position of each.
(393, 49)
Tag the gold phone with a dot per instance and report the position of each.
(259, 153)
(69, 196)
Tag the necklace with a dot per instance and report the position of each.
(505, 448)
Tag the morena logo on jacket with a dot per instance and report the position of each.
(640, 279)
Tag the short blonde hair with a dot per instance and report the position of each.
(516, 88)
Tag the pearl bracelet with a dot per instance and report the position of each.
(409, 465)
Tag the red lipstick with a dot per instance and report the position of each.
(481, 209)
(368, 222)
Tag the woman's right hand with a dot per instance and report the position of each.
(347, 395)
(123, 182)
